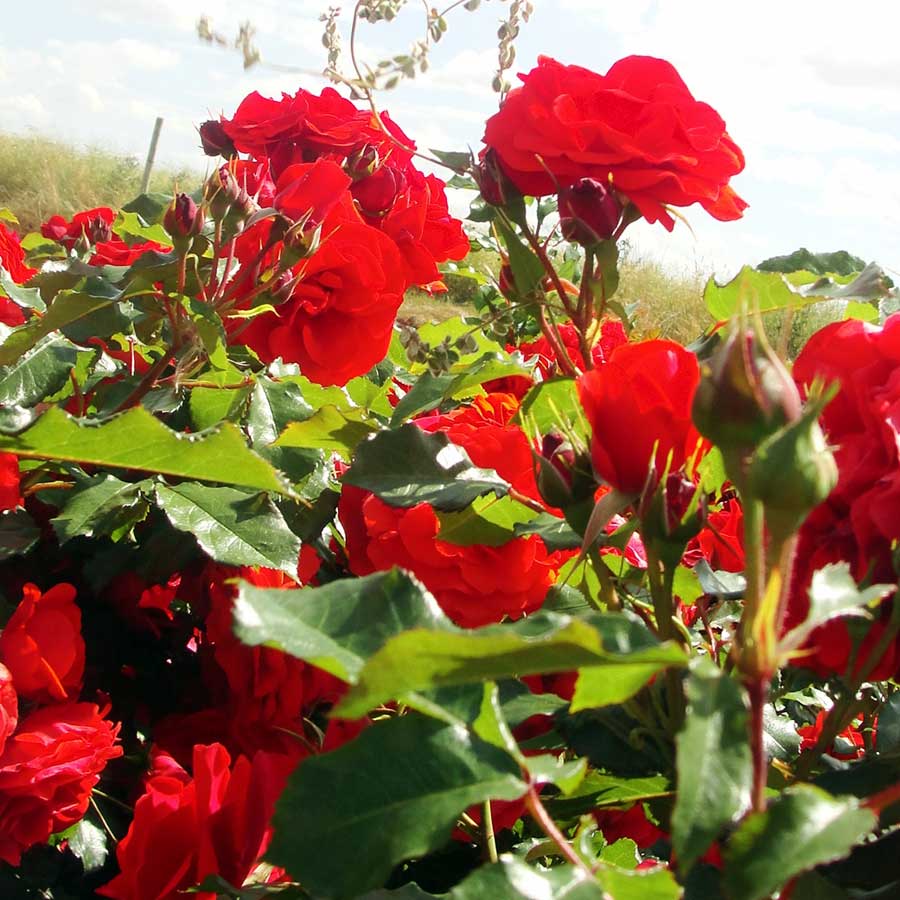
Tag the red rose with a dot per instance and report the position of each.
(187, 827)
(638, 126)
(721, 542)
(10, 489)
(423, 229)
(854, 745)
(9, 706)
(94, 225)
(641, 400)
(42, 645)
(859, 522)
(12, 256)
(337, 321)
(268, 690)
(115, 252)
(47, 772)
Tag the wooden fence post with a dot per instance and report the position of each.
(151, 155)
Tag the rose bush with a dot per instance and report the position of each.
(300, 601)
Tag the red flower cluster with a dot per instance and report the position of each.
(475, 585)
(859, 522)
(10, 489)
(362, 222)
(638, 128)
(214, 821)
(639, 408)
(51, 759)
(94, 228)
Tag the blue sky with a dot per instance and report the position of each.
(811, 92)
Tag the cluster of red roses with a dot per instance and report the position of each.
(357, 225)
(52, 748)
(859, 523)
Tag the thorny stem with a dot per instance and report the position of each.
(661, 580)
(549, 827)
(552, 334)
(46, 486)
(549, 268)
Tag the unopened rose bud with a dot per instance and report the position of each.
(183, 220)
(589, 212)
(225, 195)
(376, 194)
(496, 189)
(554, 470)
(215, 141)
(506, 282)
(744, 396)
(670, 514)
(363, 162)
(792, 472)
(281, 288)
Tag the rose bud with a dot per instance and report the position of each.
(589, 212)
(375, 195)
(215, 141)
(496, 189)
(671, 514)
(744, 396)
(554, 470)
(183, 220)
(506, 282)
(792, 472)
(363, 162)
(96, 231)
(225, 195)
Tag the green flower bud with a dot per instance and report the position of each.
(792, 472)
(744, 396)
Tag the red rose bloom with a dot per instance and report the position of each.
(10, 490)
(12, 256)
(337, 321)
(187, 827)
(721, 542)
(475, 585)
(859, 522)
(849, 743)
(115, 252)
(92, 224)
(47, 772)
(637, 127)
(42, 645)
(9, 706)
(641, 400)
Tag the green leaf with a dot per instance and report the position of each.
(419, 659)
(88, 842)
(556, 533)
(528, 271)
(888, 739)
(68, 310)
(101, 506)
(410, 466)
(18, 533)
(553, 405)
(865, 312)
(40, 372)
(329, 429)
(715, 770)
(455, 159)
(490, 522)
(210, 331)
(392, 794)
(209, 406)
(130, 224)
(30, 298)
(512, 879)
(232, 526)
(767, 291)
(150, 207)
(548, 768)
(802, 828)
(604, 791)
(136, 440)
(602, 686)
(273, 406)
(339, 625)
(833, 593)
